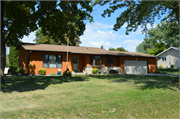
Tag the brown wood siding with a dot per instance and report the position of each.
(36, 62)
(115, 61)
(22, 57)
(151, 62)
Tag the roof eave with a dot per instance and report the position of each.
(167, 50)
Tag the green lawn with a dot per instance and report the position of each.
(93, 96)
(169, 71)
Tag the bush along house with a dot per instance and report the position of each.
(83, 59)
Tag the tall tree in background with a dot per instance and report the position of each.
(112, 49)
(163, 36)
(140, 13)
(158, 48)
(45, 39)
(20, 18)
(7, 60)
(121, 49)
(13, 58)
(102, 47)
(118, 49)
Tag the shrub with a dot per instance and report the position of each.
(42, 71)
(95, 71)
(53, 74)
(67, 73)
(163, 72)
(17, 70)
(161, 67)
(157, 72)
(27, 68)
(112, 72)
(172, 66)
(21, 71)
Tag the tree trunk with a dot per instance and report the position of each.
(3, 58)
(3, 42)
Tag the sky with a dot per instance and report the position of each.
(101, 32)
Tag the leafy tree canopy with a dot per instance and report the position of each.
(158, 48)
(118, 49)
(112, 49)
(102, 47)
(140, 13)
(54, 18)
(45, 39)
(166, 34)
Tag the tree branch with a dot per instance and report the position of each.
(29, 19)
(10, 33)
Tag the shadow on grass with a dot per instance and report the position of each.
(169, 71)
(148, 82)
(32, 83)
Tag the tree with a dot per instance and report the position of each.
(162, 33)
(19, 18)
(121, 49)
(112, 49)
(158, 48)
(45, 39)
(118, 49)
(7, 60)
(102, 47)
(140, 13)
(13, 58)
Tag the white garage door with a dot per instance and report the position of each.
(135, 67)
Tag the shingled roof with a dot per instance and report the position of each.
(79, 50)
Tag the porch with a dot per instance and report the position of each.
(104, 69)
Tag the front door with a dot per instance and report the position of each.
(75, 63)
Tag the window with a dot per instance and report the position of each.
(163, 58)
(95, 60)
(59, 61)
(45, 61)
(110, 60)
(52, 61)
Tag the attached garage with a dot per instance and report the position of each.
(136, 67)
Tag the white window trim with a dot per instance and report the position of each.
(163, 58)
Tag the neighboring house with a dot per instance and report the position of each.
(169, 57)
(6, 70)
(54, 57)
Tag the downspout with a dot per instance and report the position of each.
(28, 59)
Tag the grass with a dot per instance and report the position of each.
(169, 71)
(93, 96)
